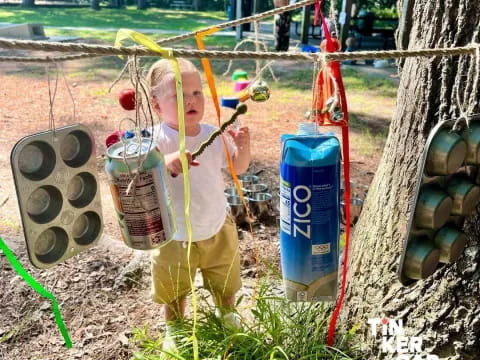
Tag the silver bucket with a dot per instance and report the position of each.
(356, 205)
(257, 188)
(248, 179)
(232, 191)
(237, 209)
(260, 204)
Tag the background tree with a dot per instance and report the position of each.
(282, 27)
(445, 308)
(142, 4)
(119, 4)
(28, 3)
(95, 4)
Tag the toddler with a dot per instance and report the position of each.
(214, 235)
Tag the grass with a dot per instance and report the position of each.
(301, 79)
(130, 17)
(275, 329)
(108, 38)
(354, 80)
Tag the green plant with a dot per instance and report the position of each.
(273, 328)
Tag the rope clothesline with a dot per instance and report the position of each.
(102, 50)
(88, 50)
(253, 18)
(245, 20)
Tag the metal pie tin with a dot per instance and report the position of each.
(433, 208)
(465, 195)
(446, 154)
(421, 259)
(451, 243)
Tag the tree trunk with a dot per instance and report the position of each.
(28, 3)
(443, 309)
(282, 27)
(118, 4)
(95, 5)
(141, 4)
(196, 5)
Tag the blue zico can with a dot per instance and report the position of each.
(309, 216)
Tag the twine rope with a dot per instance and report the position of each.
(466, 110)
(185, 36)
(102, 50)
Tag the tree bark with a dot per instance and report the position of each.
(118, 4)
(141, 4)
(443, 309)
(282, 27)
(95, 5)
(28, 3)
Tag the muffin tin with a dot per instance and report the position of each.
(56, 181)
(446, 192)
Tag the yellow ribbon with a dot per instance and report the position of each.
(144, 40)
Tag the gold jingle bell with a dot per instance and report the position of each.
(337, 114)
(331, 103)
(259, 91)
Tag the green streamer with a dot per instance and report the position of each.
(39, 289)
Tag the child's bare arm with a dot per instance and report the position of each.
(242, 141)
(174, 164)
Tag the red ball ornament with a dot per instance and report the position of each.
(126, 98)
(336, 45)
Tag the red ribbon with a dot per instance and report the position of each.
(324, 90)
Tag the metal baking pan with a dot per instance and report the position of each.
(57, 187)
(445, 193)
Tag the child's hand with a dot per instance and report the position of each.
(241, 138)
(174, 164)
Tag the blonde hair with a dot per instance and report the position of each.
(159, 70)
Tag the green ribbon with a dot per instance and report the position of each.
(39, 289)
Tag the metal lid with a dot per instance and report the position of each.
(129, 149)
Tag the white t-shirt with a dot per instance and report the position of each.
(208, 205)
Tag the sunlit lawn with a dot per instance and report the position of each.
(129, 17)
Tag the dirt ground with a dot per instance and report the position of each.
(100, 303)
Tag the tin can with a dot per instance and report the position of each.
(144, 211)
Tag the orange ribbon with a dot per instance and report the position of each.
(213, 90)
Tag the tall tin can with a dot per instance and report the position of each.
(144, 211)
